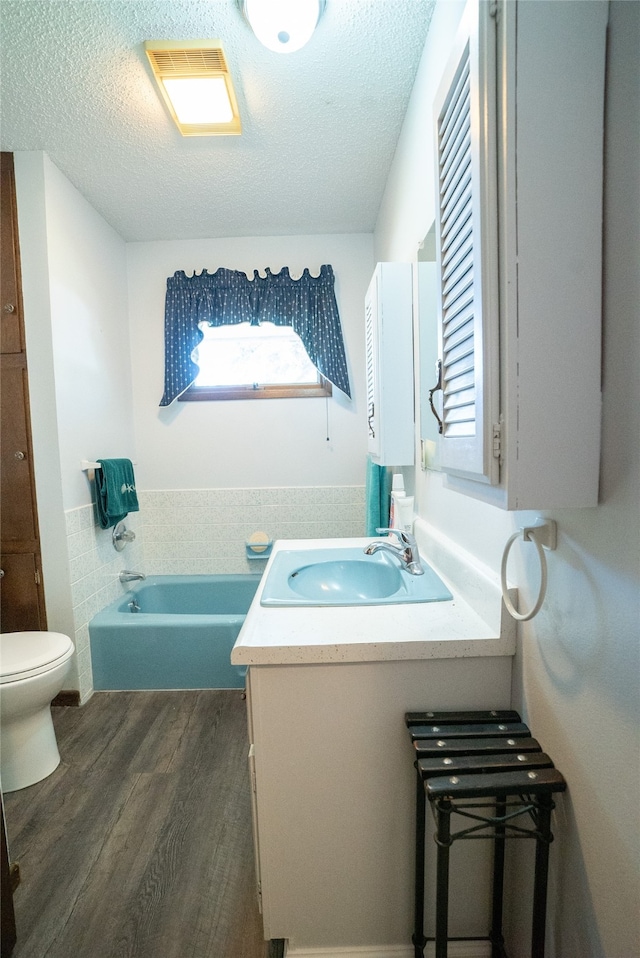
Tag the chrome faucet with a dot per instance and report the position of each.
(127, 576)
(406, 550)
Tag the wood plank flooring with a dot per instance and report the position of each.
(139, 845)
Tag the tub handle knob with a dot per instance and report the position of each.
(122, 535)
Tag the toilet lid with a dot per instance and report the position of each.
(23, 654)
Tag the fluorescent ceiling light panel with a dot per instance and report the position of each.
(283, 25)
(199, 99)
(195, 83)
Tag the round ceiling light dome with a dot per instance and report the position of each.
(283, 25)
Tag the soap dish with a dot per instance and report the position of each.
(258, 546)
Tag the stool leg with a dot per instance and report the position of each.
(495, 935)
(418, 939)
(545, 804)
(443, 840)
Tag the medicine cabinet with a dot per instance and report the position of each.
(389, 352)
(518, 124)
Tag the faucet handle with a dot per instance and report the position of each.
(406, 538)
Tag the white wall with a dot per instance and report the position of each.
(278, 442)
(89, 318)
(76, 309)
(576, 674)
(75, 305)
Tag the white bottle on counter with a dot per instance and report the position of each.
(401, 512)
(405, 513)
(397, 494)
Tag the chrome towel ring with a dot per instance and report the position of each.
(543, 536)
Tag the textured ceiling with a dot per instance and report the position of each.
(320, 126)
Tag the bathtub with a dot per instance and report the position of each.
(180, 637)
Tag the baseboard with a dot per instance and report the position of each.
(456, 949)
(69, 697)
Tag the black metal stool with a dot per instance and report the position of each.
(462, 756)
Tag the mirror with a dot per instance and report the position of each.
(428, 351)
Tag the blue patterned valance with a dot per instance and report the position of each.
(228, 296)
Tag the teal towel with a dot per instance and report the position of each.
(378, 497)
(115, 491)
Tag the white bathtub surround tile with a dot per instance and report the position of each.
(189, 516)
(298, 496)
(81, 639)
(164, 532)
(248, 514)
(160, 503)
(94, 566)
(204, 531)
(252, 497)
(270, 497)
(154, 552)
(234, 497)
(72, 521)
(212, 498)
(84, 660)
(323, 496)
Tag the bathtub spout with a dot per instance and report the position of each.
(127, 576)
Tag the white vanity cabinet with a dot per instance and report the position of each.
(331, 765)
(389, 351)
(335, 792)
(518, 125)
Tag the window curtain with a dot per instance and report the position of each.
(228, 296)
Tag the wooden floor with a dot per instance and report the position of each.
(139, 845)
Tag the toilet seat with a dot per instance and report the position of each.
(26, 654)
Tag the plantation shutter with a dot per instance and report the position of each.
(466, 234)
(370, 308)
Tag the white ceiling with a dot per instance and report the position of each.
(320, 126)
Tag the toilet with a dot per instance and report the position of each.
(33, 668)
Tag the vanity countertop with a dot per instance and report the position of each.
(298, 635)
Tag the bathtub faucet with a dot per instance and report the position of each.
(127, 576)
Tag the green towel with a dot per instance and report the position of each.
(115, 491)
(377, 494)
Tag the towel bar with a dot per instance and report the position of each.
(86, 464)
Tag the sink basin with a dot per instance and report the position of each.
(344, 577)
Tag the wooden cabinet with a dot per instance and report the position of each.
(11, 327)
(21, 593)
(19, 599)
(17, 509)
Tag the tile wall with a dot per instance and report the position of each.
(181, 532)
(94, 566)
(204, 531)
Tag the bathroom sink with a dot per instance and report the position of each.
(345, 577)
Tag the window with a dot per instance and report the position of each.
(253, 362)
(306, 306)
